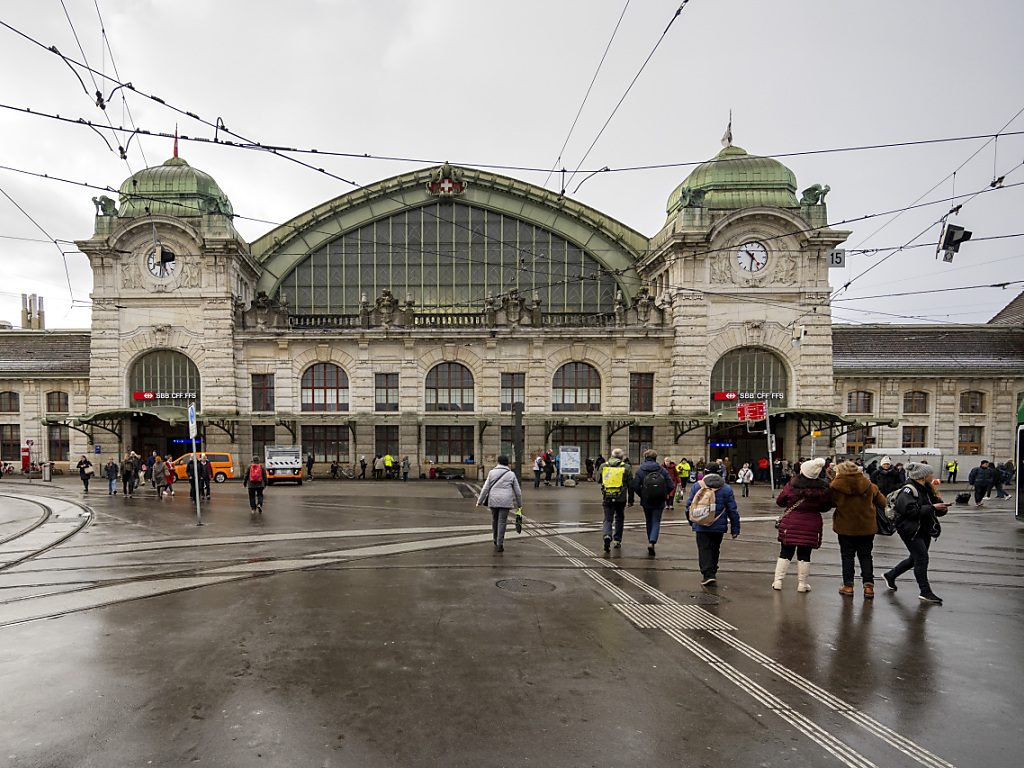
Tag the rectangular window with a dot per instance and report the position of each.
(262, 393)
(972, 402)
(587, 438)
(59, 440)
(914, 437)
(858, 440)
(9, 402)
(10, 442)
(858, 402)
(56, 402)
(641, 391)
(513, 390)
(640, 439)
(262, 436)
(449, 445)
(969, 443)
(386, 392)
(385, 439)
(327, 442)
(915, 402)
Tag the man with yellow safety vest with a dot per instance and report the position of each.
(389, 466)
(952, 468)
(617, 491)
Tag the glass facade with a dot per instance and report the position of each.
(448, 256)
(751, 374)
(164, 377)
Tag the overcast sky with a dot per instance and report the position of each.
(499, 84)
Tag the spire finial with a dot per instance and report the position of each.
(175, 139)
(727, 136)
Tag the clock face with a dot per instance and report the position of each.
(752, 256)
(160, 262)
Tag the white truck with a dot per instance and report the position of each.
(284, 463)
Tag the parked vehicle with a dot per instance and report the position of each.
(284, 463)
(221, 463)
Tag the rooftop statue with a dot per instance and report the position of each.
(815, 194)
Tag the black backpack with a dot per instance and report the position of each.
(654, 490)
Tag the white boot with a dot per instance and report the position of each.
(781, 566)
(803, 570)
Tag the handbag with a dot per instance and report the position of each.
(778, 520)
(89, 470)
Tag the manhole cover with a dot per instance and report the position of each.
(526, 586)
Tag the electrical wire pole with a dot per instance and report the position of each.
(195, 464)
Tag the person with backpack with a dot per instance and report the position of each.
(616, 493)
(918, 509)
(538, 468)
(255, 480)
(711, 511)
(805, 498)
(855, 523)
(501, 492)
(653, 484)
(129, 473)
(745, 477)
(982, 478)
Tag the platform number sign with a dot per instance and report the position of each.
(837, 258)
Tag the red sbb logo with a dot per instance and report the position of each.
(725, 395)
(143, 395)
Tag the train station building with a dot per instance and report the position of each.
(411, 316)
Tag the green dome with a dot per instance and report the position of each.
(172, 189)
(733, 179)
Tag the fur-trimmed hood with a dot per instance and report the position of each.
(852, 484)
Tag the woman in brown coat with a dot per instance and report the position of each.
(855, 498)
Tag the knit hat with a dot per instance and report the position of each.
(917, 471)
(712, 468)
(885, 460)
(811, 469)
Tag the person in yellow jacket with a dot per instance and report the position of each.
(952, 468)
(616, 492)
(389, 465)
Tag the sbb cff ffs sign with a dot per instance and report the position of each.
(143, 395)
(751, 411)
(726, 395)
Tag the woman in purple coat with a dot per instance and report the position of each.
(804, 498)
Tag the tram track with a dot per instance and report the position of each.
(51, 530)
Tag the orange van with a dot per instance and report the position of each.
(221, 464)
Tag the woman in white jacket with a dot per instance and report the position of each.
(501, 492)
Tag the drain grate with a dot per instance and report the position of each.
(525, 586)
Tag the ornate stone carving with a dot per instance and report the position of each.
(784, 270)
(447, 182)
(620, 308)
(161, 333)
(815, 194)
(721, 269)
(643, 306)
(105, 206)
(190, 274)
(512, 304)
(131, 278)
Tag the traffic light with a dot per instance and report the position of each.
(949, 243)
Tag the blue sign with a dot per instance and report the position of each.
(185, 440)
(98, 449)
(721, 445)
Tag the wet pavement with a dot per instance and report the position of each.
(373, 624)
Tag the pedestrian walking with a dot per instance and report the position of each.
(590, 469)
(378, 467)
(685, 469)
(762, 469)
(111, 470)
(616, 493)
(559, 480)
(501, 492)
(130, 473)
(362, 467)
(982, 478)
(309, 466)
(205, 475)
(159, 476)
(857, 500)
(172, 477)
(85, 471)
(918, 509)
(255, 481)
(805, 498)
(549, 468)
(405, 469)
(998, 478)
(887, 477)
(746, 477)
(538, 468)
(599, 462)
(652, 484)
(727, 519)
(150, 463)
(952, 468)
(673, 472)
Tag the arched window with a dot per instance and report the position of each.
(972, 402)
(9, 402)
(164, 377)
(915, 402)
(576, 387)
(57, 402)
(748, 374)
(859, 401)
(324, 388)
(449, 388)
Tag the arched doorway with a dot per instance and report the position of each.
(747, 375)
(162, 384)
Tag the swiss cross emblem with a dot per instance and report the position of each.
(447, 182)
